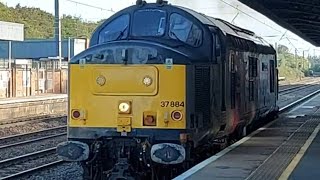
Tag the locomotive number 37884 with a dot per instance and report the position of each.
(172, 104)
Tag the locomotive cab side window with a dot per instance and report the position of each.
(115, 30)
(272, 79)
(217, 46)
(184, 30)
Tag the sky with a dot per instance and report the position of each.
(230, 10)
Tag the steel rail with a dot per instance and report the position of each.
(33, 169)
(33, 140)
(31, 133)
(26, 157)
(29, 155)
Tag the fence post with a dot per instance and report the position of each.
(10, 70)
(27, 80)
(53, 76)
(38, 77)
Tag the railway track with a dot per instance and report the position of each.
(27, 163)
(25, 138)
(17, 129)
(298, 83)
(297, 88)
(45, 158)
(299, 101)
(32, 161)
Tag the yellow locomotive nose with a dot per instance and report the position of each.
(128, 97)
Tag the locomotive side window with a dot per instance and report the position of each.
(149, 22)
(233, 82)
(115, 30)
(250, 66)
(251, 90)
(253, 67)
(264, 67)
(253, 72)
(184, 30)
(271, 75)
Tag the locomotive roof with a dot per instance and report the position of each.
(226, 27)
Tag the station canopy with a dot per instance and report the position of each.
(302, 17)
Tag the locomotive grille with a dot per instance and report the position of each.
(202, 94)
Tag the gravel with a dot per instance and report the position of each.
(32, 126)
(65, 171)
(27, 137)
(291, 97)
(11, 152)
(27, 163)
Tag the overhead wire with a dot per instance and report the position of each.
(283, 35)
(250, 16)
(88, 5)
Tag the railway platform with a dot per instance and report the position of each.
(29, 106)
(287, 148)
(40, 97)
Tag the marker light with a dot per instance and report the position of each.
(124, 107)
(176, 115)
(75, 114)
(149, 120)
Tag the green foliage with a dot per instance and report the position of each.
(315, 61)
(316, 68)
(40, 24)
(290, 66)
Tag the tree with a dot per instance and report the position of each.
(40, 24)
(18, 6)
(283, 49)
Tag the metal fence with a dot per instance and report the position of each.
(29, 77)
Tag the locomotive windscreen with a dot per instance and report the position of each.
(149, 22)
(115, 30)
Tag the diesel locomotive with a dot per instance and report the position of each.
(159, 84)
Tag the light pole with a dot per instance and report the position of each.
(58, 40)
(58, 30)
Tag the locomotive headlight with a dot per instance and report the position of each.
(124, 107)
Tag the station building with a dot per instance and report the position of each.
(31, 67)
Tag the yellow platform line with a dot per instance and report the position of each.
(287, 172)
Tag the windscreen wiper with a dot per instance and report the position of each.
(174, 34)
(121, 33)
